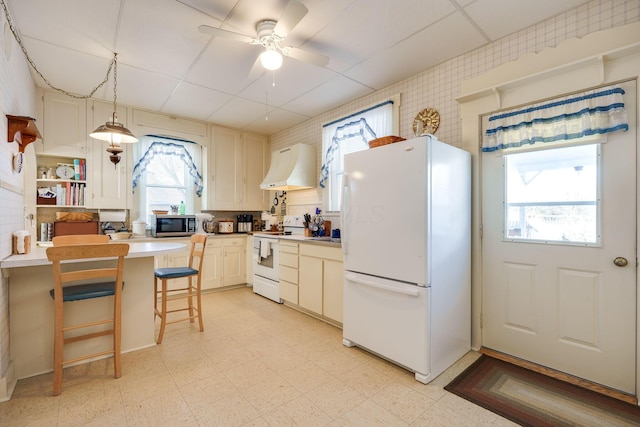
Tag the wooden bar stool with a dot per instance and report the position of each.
(82, 290)
(190, 272)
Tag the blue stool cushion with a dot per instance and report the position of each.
(86, 291)
(174, 272)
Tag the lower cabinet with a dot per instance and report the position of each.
(289, 271)
(316, 281)
(224, 262)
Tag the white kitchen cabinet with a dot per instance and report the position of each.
(320, 280)
(63, 125)
(234, 262)
(249, 259)
(212, 264)
(108, 184)
(310, 283)
(237, 167)
(144, 122)
(289, 271)
(225, 176)
(255, 158)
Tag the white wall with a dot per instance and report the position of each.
(17, 97)
(439, 86)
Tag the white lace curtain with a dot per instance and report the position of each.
(594, 112)
(151, 146)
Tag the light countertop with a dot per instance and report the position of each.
(137, 249)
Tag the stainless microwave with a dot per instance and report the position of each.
(173, 225)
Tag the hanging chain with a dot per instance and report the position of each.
(33, 65)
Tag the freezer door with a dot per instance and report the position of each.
(385, 221)
(388, 318)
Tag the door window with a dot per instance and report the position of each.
(552, 195)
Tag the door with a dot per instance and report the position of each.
(384, 205)
(562, 302)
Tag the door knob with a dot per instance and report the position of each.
(620, 261)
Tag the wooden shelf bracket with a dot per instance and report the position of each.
(22, 129)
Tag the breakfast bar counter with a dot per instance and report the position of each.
(30, 278)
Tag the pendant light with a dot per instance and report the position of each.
(113, 132)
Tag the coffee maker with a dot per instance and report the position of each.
(245, 223)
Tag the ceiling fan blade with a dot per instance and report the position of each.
(256, 70)
(308, 57)
(218, 32)
(293, 13)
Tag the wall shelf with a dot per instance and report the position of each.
(23, 129)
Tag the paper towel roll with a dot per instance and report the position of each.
(20, 239)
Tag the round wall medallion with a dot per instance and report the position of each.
(427, 121)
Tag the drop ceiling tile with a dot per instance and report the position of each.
(224, 66)
(377, 24)
(218, 9)
(160, 36)
(143, 89)
(335, 92)
(295, 78)
(239, 112)
(195, 101)
(277, 119)
(92, 28)
(498, 18)
(419, 52)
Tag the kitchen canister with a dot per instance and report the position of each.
(139, 227)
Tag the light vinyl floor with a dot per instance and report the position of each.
(257, 363)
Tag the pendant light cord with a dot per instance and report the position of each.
(112, 64)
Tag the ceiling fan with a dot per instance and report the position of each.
(270, 35)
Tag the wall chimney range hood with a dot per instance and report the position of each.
(292, 168)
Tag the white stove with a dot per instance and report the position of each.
(293, 224)
(266, 266)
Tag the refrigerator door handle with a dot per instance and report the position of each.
(345, 212)
(393, 289)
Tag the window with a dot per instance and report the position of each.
(552, 195)
(348, 135)
(166, 173)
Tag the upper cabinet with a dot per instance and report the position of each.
(64, 125)
(255, 153)
(107, 183)
(237, 165)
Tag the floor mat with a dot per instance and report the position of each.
(532, 399)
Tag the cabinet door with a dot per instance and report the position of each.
(226, 169)
(64, 131)
(310, 283)
(107, 182)
(255, 169)
(212, 268)
(234, 265)
(333, 289)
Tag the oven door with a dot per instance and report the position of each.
(266, 258)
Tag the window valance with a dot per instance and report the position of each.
(152, 146)
(594, 112)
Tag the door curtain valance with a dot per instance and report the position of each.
(594, 112)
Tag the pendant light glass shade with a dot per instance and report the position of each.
(114, 132)
(271, 59)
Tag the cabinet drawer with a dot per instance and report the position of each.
(289, 274)
(320, 251)
(289, 292)
(289, 260)
(234, 241)
(288, 247)
(212, 242)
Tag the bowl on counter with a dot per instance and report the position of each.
(120, 235)
(159, 212)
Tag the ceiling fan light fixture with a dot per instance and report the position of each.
(271, 59)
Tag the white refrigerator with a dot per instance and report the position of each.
(406, 239)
